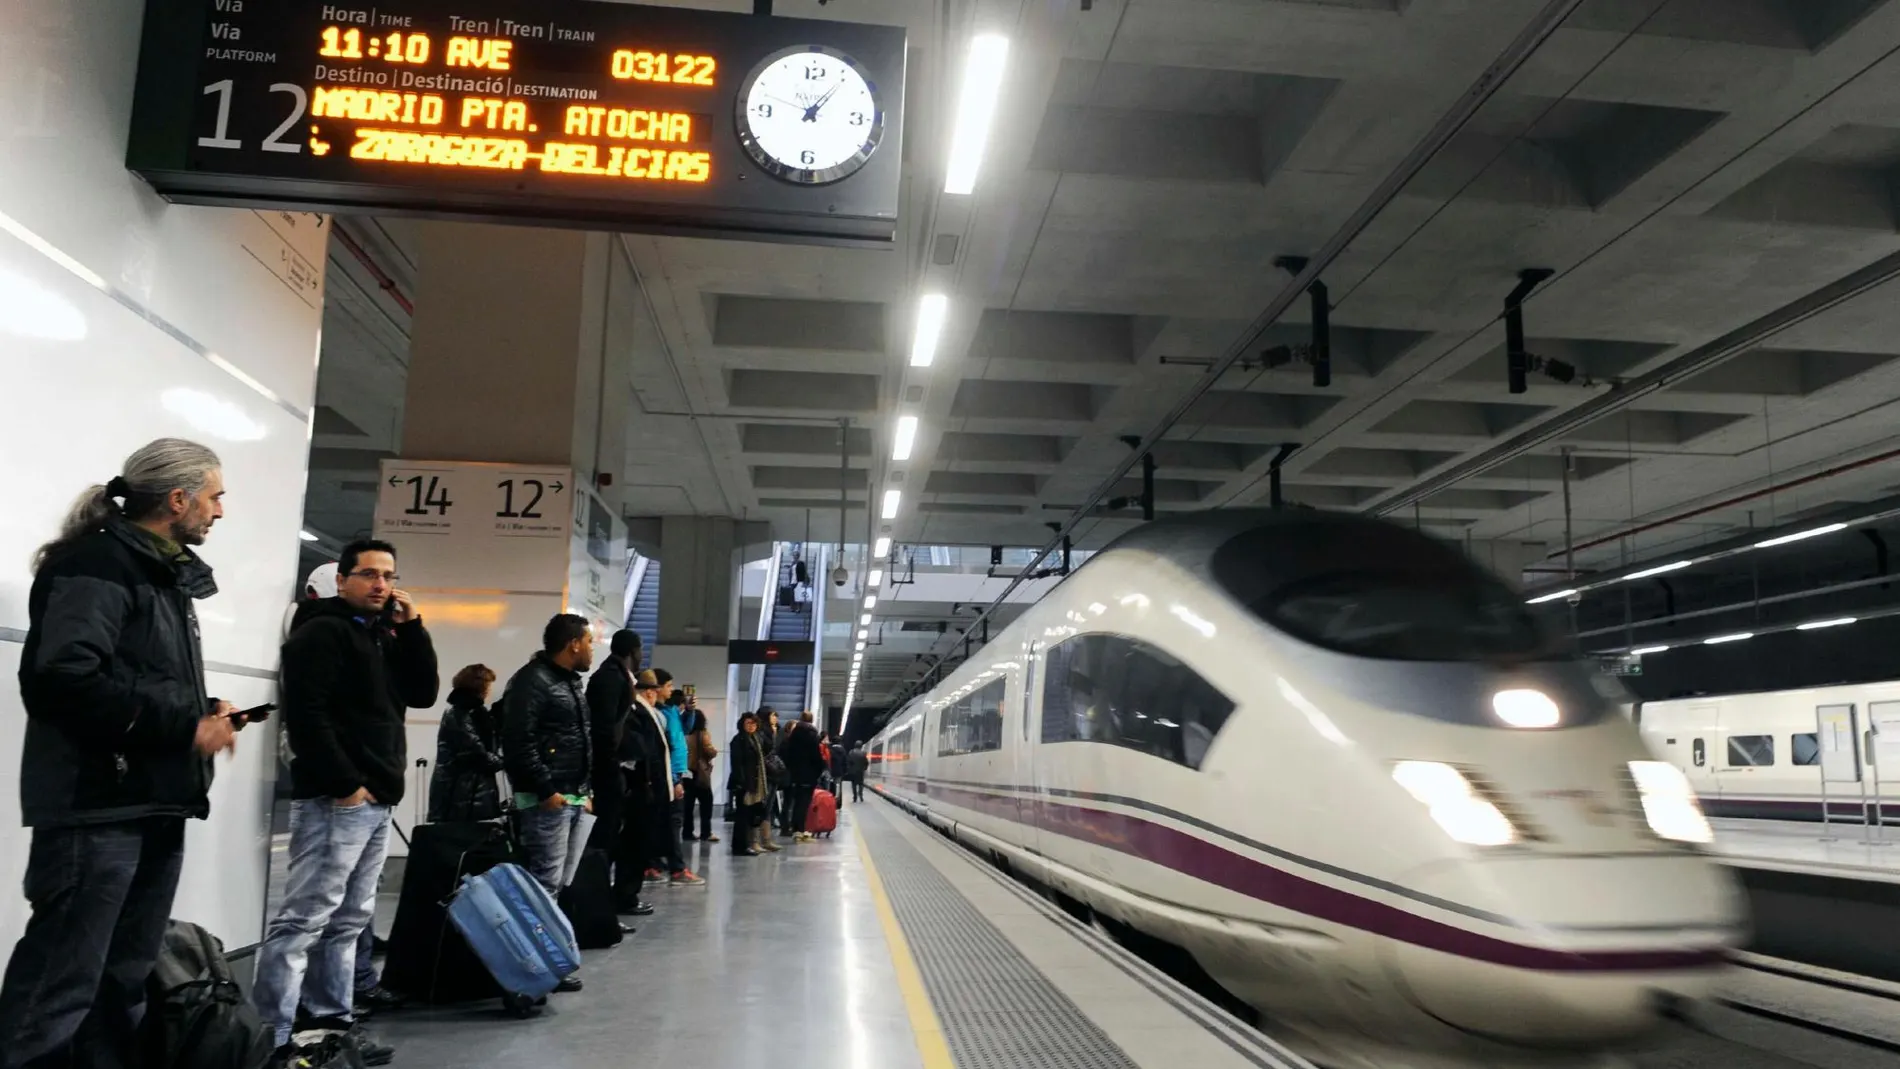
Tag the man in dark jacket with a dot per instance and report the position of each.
(352, 667)
(804, 765)
(119, 739)
(547, 741)
(620, 808)
(856, 764)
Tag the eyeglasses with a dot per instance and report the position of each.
(370, 575)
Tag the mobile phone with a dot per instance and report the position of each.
(257, 714)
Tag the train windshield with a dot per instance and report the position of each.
(1378, 591)
(1400, 617)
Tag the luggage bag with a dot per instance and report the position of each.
(517, 931)
(196, 1016)
(428, 959)
(589, 904)
(822, 817)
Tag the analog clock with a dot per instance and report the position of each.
(807, 114)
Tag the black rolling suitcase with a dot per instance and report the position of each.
(589, 904)
(428, 959)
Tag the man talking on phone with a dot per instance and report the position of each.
(351, 668)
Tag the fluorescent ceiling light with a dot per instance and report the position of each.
(870, 601)
(1550, 597)
(306, 536)
(1647, 572)
(864, 620)
(906, 438)
(864, 632)
(1815, 533)
(1816, 625)
(860, 647)
(1645, 650)
(876, 578)
(932, 310)
(892, 499)
(1719, 639)
(882, 547)
(976, 109)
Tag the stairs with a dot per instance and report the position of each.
(784, 687)
(644, 618)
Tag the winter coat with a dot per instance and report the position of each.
(748, 767)
(467, 756)
(856, 765)
(113, 681)
(700, 754)
(609, 702)
(347, 683)
(645, 753)
(547, 738)
(804, 762)
(676, 739)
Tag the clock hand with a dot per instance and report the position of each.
(811, 113)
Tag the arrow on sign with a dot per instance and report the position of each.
(394, 481)
(558, 487)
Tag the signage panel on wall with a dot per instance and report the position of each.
(508, 523)
(585, 114)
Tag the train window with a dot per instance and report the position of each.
(1699, 752)
(1407, 618)
(972, 723)
(1751, 751)
(1806, 748)
(1124, 692)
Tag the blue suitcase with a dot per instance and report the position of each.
(518, 931)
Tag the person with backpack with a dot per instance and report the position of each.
(120, 736)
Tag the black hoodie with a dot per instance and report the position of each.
(347, 678)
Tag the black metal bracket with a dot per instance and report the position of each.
(1147, 477)
(1517, 358)
(1320, 354)
(1274, 497)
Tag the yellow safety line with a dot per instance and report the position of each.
(924, 1026)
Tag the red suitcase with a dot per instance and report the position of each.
(822, 817)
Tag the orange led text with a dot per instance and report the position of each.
(494, 114)
(484, 52)
(369, 105)
(628, 125)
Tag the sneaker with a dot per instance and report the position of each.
(711, 838)
(804, 837)
(372, 1050)
(351, 1038)
(320, 1049)
(685, 876)
(655, 875)
(637, 909)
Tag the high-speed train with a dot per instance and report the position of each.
(1762, 756)
(1343, 767)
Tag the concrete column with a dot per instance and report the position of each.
(516, 358)
(699, 577)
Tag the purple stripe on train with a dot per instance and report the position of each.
(1203, 860)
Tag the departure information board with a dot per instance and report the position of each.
(569, 113)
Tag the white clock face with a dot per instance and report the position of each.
(809, 116)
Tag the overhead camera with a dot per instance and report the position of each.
(840, 576)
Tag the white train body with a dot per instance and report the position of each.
(1758, 756)
(1291, 862)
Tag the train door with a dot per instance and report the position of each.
(1028, 737)
(1690, 742)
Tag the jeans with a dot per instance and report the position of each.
(548, 836)
(336, 858)
(75, 988)
(700, 793)
(664, 850)
(367, 977)
(800, 804)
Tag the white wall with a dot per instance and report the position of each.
(123, 319)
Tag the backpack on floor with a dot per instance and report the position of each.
(195, 1016)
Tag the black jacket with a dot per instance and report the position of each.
(856, 764)
(114, 685)
(347, 683)
(609, 698)
(804, 761)
(748, 764)
(546, 734)
(645, 752)
(467, 756)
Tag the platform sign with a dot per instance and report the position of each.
(1837, 739)
(584, 114)
(508, 524)
(1883, 719)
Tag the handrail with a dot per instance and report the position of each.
(768, 604)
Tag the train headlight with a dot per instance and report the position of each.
(1454, 803)
(1669, 803)
(1525, 708)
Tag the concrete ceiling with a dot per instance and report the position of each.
(1686, 167)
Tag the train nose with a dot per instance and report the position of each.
(1570, 951)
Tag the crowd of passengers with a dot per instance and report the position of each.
(121, 735)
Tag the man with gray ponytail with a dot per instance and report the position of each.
(120, 734)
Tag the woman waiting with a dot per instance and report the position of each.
(467, 752)
(750, 789)
(700, 753)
